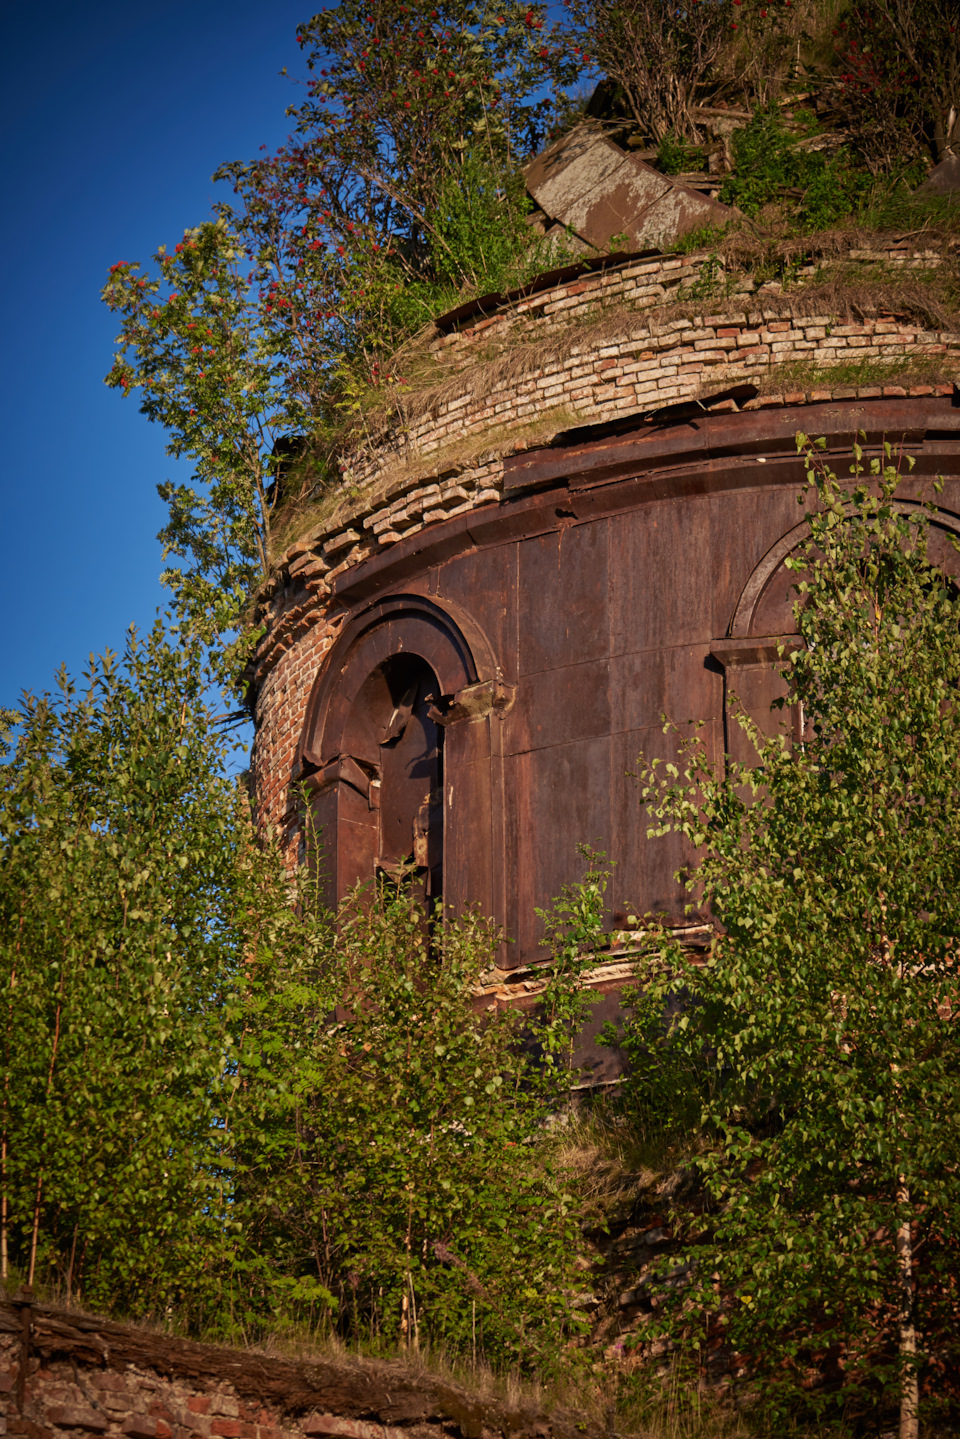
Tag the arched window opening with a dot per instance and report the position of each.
(386, 784)
(410, 747)
(400, 756)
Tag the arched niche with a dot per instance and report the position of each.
(764, 625)
(399, 753)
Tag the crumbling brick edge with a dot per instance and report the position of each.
(86, 1375)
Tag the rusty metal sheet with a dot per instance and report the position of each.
(562, 706)
(564, 177)
(766, 432)
(562, 599)
(645, 876)
(557, 797)
(586, 182)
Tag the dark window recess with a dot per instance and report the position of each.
(393, 758)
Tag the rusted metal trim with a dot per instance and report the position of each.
(746, 433)
(733, 451)
(469, 649)
(756, 650)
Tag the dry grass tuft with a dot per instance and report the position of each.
(334, 508)
(904, 370)
(846, 297)
(615, 1164)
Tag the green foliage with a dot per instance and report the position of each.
(476, 242)
(122, 856)
(398, 195)
(573, 930)
(770, 163)
(675, 155)
(818, 1037)
(409, 1173)
(709, 282)
(220, 1098)
(218, 380)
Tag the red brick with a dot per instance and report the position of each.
(229, 1428)
(76, 1416)
(198, 1404)
(26, 1429)
(141, 1426)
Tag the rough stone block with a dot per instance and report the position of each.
(76, 1416)
(141, 1426)
(349, 1428)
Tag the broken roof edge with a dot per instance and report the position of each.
(588, 184)
(633, 205)
(546, 280)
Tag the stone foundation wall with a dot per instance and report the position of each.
(84, 1376)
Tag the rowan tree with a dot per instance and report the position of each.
(897, 76)
(397, 194)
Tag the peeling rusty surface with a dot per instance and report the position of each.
(631, 570)
(587, 183)
(616, 452)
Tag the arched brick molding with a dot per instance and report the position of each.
(400, 752)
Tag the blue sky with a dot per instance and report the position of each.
(114, 117)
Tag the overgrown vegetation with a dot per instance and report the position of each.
(814, 1051)
(264, 339)
(220, 1099)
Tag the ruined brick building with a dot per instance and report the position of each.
(551, 548)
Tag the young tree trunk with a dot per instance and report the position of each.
(4, 1270)
(909, 1381)
(34, 1238)
(73, 1255)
